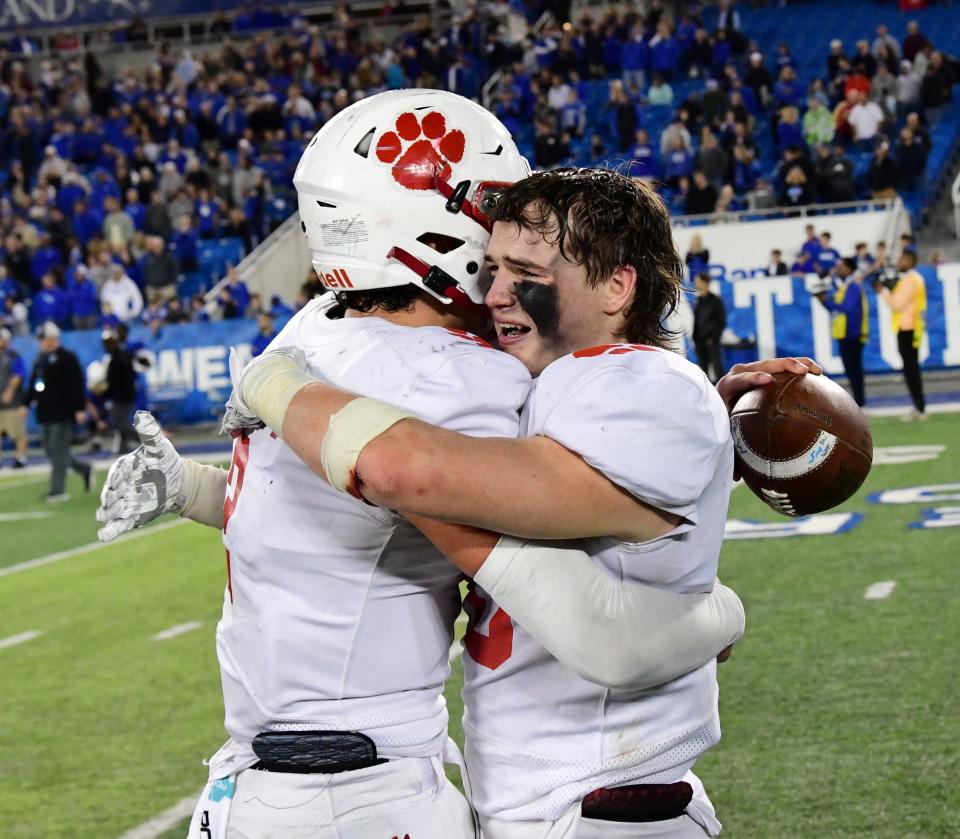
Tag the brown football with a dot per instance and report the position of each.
(801, 443)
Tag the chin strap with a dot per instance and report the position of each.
(436, 280)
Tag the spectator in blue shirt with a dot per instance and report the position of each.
(62, 139)
(720, 51)
(806, 262)
(184, 131)
(677, 164)
(73, 189)
(50, 303)
(207, 212)
(88, 143)
(790, 129)
(265, 334)
(644, 158)
(231, 123)
(238, 291)
(634, 57)
(104, 186)
(828, 257)
(135, 209)
(664, 52)
(44, 258)
(83, 300)
(746, 170)
(183, 243)
(787, 90)
(87, 222)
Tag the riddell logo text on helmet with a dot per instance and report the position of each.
(338, 278)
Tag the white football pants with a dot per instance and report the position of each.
(410, 797)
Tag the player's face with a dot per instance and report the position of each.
(540, 303)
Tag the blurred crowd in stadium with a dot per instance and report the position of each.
(128, 194)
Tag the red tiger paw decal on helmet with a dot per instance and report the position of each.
(419, 148)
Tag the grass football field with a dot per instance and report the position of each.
(839, 713)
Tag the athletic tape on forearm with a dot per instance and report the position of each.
(617, 634)
(350, 429)
(202, 493)
(269, 386)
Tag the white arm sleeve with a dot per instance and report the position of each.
(202, 492)
(616, 634)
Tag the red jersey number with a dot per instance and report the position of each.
(241, 454)
(495, 648)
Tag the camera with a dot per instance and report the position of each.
(887, 277)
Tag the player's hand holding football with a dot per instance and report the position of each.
(238, 418)
(142, 485)
(746, 377)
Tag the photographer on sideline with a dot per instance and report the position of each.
(905, 292)
(851, 321)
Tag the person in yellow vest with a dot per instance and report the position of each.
(851, 321)
(907, 300)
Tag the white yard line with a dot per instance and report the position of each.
(880, 591)
(22, 638)
(456, 650)
(162, 822)
(179, 629)
(4, 517)
(898, 410)
(85, 549)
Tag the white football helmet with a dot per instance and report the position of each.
(398, 188)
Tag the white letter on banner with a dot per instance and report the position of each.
(11, 11)
(764, 292)
(174, 368)
(823, 338)
(950, 278)
(212, 368)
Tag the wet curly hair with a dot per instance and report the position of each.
(394, 299)
(604, 220)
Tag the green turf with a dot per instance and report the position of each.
(839, 714)
(69, 523)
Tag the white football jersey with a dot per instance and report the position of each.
(538, 737)
(339, 615)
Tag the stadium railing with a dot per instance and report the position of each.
(894, 206)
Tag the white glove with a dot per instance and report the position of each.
(141, 485)
(239, 419)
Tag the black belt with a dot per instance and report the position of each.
(307, 752)
(638, 803)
